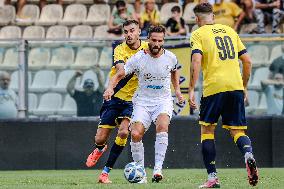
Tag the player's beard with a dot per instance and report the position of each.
(155, 49)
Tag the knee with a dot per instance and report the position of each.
(123, 133)
(100, 139)
(136, 136)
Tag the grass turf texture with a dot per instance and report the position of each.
(174, 178)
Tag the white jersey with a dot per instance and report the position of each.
(154, 77)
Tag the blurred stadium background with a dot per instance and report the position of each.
(43, 53)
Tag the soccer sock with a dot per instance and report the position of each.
(209, 152)
(115, 151)
(244, 144)
(161, 145)
(100, 147)
(137, 150)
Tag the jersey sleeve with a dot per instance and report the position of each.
(131, 65)
(175, 64)
(241, 48)
(195, 43)
(118, 56)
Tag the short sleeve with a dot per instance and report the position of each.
(168, 24)
(241, 48)
(175, 64)
(131, 65)
(118, 56)
(195, 43)
(76, 94)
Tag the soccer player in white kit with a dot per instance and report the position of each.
(156, 69)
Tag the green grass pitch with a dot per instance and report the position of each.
(174, 178)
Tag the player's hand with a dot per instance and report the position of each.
(191, 100)
(179, 97)
(78, 73)
(108, 93)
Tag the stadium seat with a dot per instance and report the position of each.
(49, 104)
(43, 81)
(105, 61)
(57, 32)
(86, 57)
(275, 53)
(69, 107)
(89, 75)
(50, 15)
(31, 12)
(15, 80)
(2, 53)
(253, 99)
(7, 14)
(32, 105)
(10, 61)
(259, 74)
(259, 55)
(166, 11)
(74, 14)
(188, 14)
(248, 28)
(98, 14)
(10, 32)
(38, 58)
(101, 32)
(81, 32)
(61, 58)
(34, 32)
(62, 81)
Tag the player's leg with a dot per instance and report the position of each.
(210, 110)
(244, 144)
(161, 145)
(107, 123)
(234, 120)
(101, 138)
(137, 148)
(118, 145)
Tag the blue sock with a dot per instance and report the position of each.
(209, 155)
(113, 155)
(100, 147)
(244, 144)
(106, 170)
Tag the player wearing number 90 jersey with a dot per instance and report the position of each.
(217, 48)
(221, 48)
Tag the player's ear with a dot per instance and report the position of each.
(139, 31)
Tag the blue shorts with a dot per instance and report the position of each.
(229, 105)
(113, 111)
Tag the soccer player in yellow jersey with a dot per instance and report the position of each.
(216, 48)
(117, 111)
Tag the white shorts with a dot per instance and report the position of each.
(147, 114)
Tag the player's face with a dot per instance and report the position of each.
(156, 42)
(131, 34)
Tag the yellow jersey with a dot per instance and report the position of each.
(221, 48)
(125, 89)
(226, 12)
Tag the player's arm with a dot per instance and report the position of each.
(175, 75)
(120, 74)
(196, 59)
(194, 75)
(246, 61)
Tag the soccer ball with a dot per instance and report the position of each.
(134, 172)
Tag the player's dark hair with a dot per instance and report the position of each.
(156, 29)
(176, 9)
(120, 3)
(129, 22)
(203, 8)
